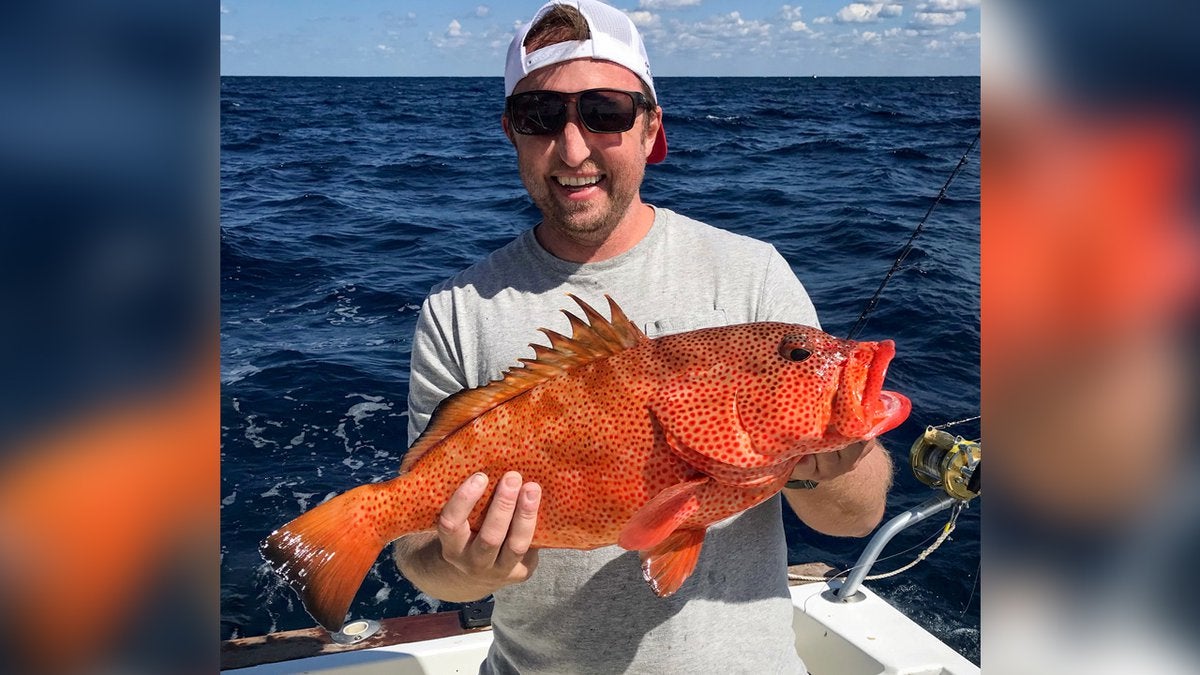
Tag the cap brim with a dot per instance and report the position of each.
(659, 152)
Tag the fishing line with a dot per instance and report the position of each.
(862, 318)
(938, 539)
(955, 423)
(974, 585)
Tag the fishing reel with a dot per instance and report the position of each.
(942, 460)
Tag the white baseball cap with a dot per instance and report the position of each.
(613, 38)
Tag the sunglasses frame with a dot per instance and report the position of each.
(640, 100)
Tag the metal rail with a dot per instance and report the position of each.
(885, 534)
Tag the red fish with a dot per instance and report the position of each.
(637, 442)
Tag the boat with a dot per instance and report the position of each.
(865, 636)
(841, 627)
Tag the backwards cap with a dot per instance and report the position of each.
(613, 38)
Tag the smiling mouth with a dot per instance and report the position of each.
(578, 182)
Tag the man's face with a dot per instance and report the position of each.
(587, 213)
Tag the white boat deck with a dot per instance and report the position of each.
(864, 637)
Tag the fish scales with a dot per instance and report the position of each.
(639, 442)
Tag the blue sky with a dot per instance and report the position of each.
(683, 37)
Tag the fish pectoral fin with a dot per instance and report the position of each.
(662, 515)
(699, 419)
(666, 566)
(698, 410)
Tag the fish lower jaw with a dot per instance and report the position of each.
(896, 408)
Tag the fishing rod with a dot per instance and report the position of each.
(938, 459)
(862, 318)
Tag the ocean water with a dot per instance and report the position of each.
(344, 200)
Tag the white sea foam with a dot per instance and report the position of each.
(361, 411)
(302, 498)
(238, 373)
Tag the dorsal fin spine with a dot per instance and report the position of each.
(630, 333)
(599, 324)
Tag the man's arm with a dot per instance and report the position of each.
(851, 492)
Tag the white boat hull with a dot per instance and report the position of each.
(864, 637)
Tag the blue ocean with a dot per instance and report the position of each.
(344, 200)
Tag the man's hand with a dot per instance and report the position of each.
(823, 466)
(500, 552)
(459, 565)
(851, 492)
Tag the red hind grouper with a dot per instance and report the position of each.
(637, 442)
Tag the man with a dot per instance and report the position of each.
(582, 115)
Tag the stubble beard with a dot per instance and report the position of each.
(579, 222)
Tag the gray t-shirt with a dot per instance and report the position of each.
(590, 611)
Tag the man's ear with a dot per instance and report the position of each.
(652, 128)
(507, 129)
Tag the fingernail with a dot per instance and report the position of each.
(512, 480)
(533, 492)
(479, 479)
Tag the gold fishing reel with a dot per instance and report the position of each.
(942, 460)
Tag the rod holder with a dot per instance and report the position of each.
(884, 535)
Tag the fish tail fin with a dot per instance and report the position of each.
(325, 554)
(669, 564)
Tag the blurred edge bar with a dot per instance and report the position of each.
(109, 411)
(1090, 270)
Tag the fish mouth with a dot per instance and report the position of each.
(866, 409)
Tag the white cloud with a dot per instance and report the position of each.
(227, 38)
(792, 16)
(384, 48)
(859, 12)
(739, 26)
(643, 19)
(721, 36)
(482, 11)
(897, 32)
(666, 4)
(947, 5)
(965, 37)
(869, 37)
(939, 18)
(454, 29)
(790, 13)
(822, 20)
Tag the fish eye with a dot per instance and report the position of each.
(793, 352)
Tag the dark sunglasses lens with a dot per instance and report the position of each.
(607, 112)
(537, 113)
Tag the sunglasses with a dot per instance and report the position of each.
(602, 111)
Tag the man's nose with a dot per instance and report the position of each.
(572, 142)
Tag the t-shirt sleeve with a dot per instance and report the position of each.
(783, 296)
(435, 371)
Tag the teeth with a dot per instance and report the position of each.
(577, 181)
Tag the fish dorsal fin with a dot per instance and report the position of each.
(588, 342)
